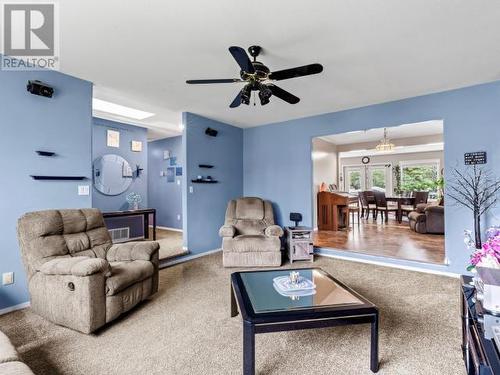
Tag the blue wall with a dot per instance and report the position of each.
(128, 133)
(204, 209)
(165, 196)
(278, 166)
(61, 124)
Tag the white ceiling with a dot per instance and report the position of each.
(419, 129)
(140, 53)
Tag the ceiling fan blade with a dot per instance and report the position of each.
(242, 59)
(296, 72)
(237, 101)
(282, 94)
(205, 81)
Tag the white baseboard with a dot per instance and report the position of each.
(188, 258)
(167, 228)
(14, 308)
(392, 265)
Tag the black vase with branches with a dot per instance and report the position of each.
(475, 188)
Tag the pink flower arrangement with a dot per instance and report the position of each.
(489, 254)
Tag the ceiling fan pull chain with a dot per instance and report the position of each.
(254, 99)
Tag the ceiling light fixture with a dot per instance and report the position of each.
(385, 143)
(264, 94)
(119, 110)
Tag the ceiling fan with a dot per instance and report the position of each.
(257, 77)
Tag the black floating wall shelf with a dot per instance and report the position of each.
(205, 166)
(62, 178)
(204, 181)
(45, 153)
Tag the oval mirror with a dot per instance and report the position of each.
(112, 174)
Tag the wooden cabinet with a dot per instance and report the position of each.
(331, 215)
(480, 355)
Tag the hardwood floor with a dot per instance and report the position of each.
(389, 240)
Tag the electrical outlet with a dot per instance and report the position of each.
(178, 216)
(83, 190)
(8, 278)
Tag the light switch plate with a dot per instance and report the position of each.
(8, 278)
(191, 189)
(178, 217)
(178, 181)
(83, 190)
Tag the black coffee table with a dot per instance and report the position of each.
(263, 309)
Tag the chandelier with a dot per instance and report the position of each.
(385, 143)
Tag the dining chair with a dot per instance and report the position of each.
(366, 205)
(354, 208)
(384, 207)
(419, 197)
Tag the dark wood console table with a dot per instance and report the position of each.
(145, 212)
(480, 354)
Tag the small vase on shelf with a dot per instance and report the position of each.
(133, 200)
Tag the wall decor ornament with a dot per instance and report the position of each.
(112, 174)
(113, 138)
(170, 174)
(136, 146)
(476, 189)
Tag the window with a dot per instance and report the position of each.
(378, 177)
(420, 176)
(354, 181)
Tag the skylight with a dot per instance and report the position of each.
(120, 110)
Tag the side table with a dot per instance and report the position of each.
(299, 243)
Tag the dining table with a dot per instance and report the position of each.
(401, 200)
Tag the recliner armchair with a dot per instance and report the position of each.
(427, 218)
(76, 277)
(249, 236)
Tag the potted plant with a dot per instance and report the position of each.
(488, 255)
(133, 200)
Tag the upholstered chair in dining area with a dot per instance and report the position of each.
(76, 277)
(384, 206)
(249, 236)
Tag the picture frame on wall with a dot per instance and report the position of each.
(178, 171)
(113, 138)
(136, 146)
(170, 174)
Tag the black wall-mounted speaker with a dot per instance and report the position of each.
(40, 88)
(296, 217)
(211, 132)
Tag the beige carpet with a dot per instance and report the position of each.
(170, 243)
(186, 329)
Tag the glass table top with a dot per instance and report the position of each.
(265, 298)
